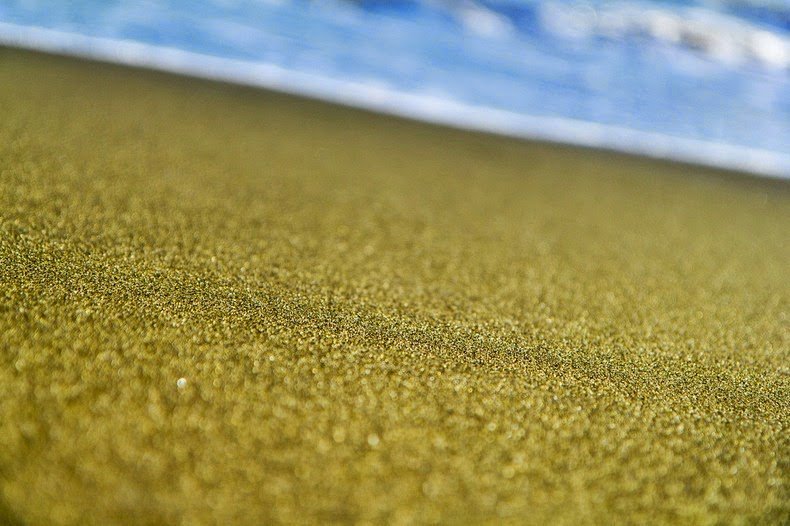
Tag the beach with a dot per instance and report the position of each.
(226, 305)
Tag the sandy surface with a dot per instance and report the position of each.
(374, 320)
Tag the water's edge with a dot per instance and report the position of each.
(418, 107)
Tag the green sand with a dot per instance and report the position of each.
(377, 320)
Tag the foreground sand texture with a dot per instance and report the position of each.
(376, 320)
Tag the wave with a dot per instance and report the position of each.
(716, 35)
(414, 105)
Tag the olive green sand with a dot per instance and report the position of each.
(377, 320)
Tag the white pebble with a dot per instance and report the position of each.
(181, 383)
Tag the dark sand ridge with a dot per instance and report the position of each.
(377, 320)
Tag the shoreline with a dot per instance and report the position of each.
(421, 108)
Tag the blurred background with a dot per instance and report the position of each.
(706, 81)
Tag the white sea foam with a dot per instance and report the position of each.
(482, 21)
(717, 36)
(411, 105)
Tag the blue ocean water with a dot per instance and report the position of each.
(699, 80)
